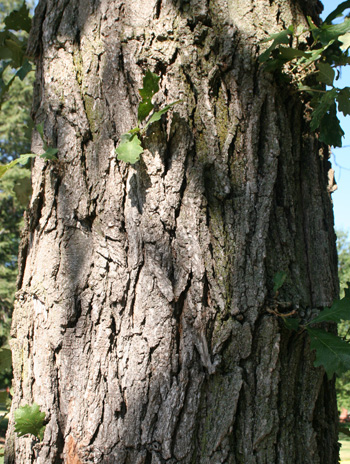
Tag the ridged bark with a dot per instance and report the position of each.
(142, 325)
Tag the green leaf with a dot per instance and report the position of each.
(272, 65)
(5, 167)
(150, 88)
(30, 420)
(332, 352)
(337, 12)
(135, 130)
(305, 88)
(291, 323)
(24, 70)
(326, 33)
(314, 55)
(300, 30)
(19, 20)
(145, 107)
(278, 280)
(343, 99)
(339, 311)
(40, 129)
(5, 53)
(311, 23)
(22, 160)
(156, 116)
(50, 154)
(278, 39)
(347, 288)
(331, 132)
(345, 40)
(129, 148)
(324, 104)
(150, 85)
(326, 73)
(16, 48)
(289, 53)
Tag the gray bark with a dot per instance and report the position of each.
(142, 324)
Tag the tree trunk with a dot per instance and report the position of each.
(142, 324)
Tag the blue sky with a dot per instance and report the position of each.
(341, 156)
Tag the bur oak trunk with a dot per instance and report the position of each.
(143, 323)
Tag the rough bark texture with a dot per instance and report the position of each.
(142, 325)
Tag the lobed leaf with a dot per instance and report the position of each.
(144, 109)
(273, 65)
(345, 40)
(311, 24)
(150, 88)
(332, 352)
(40, 129)
(325, 73)
(289, 53)
(324, 104)
(50, 154)
(326, 33)
(339, 311)
(15, 51)
(22, 160)
(150, 85)
(129, 148)
(278, 39)
(24, 70)
(30, 420)
(313, 56)
(305, 88)
(156, 116)
(330, 129)
(5, 87)
(291, 323)
(343, 99)
(19, 20)
(347, 290)
(5, 53)
(278, 280)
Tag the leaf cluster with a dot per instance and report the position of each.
(315, 69)
(130, 148)
(332, 351)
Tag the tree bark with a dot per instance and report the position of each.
(142, 325)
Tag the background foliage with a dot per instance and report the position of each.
(343, 247)
(310, 60)
(15, 132)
